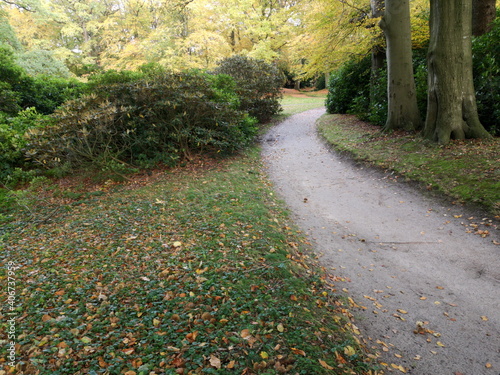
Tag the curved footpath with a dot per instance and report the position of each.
(429, 291)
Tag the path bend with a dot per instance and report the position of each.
(404, 256)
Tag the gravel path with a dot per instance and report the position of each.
(405, 258)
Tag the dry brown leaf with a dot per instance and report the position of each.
(215, 362)
(325, 365)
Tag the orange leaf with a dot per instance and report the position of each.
(231, 364)
(102, 363)
(298, 351)
(192, 336)
(245, 334)
(46, 317)
(325, 365)
(339, 358)
(128, 351)
(178, 362)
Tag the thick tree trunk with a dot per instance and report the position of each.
(483, 14)
(401, 93)
(451, 108)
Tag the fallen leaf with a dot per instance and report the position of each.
(398, 367)
(86, 340)
(339, 358)
(102, 363)
(298, 351)
(349, 350)
(231, 364)
(215, 362)
(488, 365)
(325, 365)
(46, 317)
(245, 334)
(485, 318)
(264, 355)
(280, 328)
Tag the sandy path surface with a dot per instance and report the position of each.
(404, 257)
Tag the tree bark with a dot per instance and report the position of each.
(451, 103)
(483, 14)
(403, 111)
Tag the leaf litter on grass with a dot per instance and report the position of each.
(198, 272)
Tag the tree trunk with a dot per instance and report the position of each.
(401, 93)
(451, 103)
(483, 14)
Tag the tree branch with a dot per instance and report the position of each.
(20, 6)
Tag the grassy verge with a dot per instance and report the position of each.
(467, 171)
(302, 101)
(191, 271)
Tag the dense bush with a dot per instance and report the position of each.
(20, 91)
(258, 85)
(349, 82)
(145, 121)
(48, 93)
(14, 82)
(13, 141)
(486, 53)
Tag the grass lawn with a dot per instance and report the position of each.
(466, 171)
(195, 270)
(294, 102)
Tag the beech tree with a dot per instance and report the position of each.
(403, 111)
(451, 109)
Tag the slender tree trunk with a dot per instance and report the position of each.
(451, 108)
(401, 92)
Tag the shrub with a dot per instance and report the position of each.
(13, 142)
(111, 77)
(486, 69)
(20, 91)
(348, 83)
(48, 93)
(14, 82)
(143, 121)
(258, 85)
